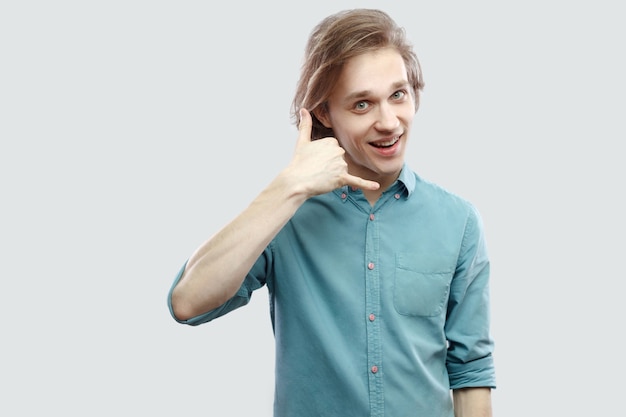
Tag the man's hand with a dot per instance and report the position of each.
(319, 166)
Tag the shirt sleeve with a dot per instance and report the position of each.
(470, 345)
(253, 281)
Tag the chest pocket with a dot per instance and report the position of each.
(421, 286)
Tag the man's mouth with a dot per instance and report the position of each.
(387, 143)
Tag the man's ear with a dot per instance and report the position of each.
(321, 113)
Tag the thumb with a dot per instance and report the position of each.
(305, 126)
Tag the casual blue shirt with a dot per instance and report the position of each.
(376, 311)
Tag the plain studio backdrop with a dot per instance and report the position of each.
(131, 131)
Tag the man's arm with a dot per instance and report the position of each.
(472, 402)
(216, 270)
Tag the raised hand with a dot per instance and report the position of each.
(319, 166)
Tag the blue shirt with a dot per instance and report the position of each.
(376, 311)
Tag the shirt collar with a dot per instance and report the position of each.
(406, 179)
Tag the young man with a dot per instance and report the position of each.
(378, 280)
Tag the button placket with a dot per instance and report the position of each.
(372, 309)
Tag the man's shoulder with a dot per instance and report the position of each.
(434, 189)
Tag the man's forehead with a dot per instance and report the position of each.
(371, 73)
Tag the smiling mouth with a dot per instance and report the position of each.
(387, 143)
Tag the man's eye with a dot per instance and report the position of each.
(361, 105)
(398, 94)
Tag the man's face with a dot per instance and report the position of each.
(370, 111)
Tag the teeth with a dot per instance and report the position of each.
(386, 144)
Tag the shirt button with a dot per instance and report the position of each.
(374, 369)
(343, 195)
(372, 216)
(372, 317)
(353, 188)
(370, 265)
(396, 196)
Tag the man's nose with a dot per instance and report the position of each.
(387, 118)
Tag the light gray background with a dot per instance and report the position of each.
(132, 130)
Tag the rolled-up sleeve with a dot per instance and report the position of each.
(253, 281)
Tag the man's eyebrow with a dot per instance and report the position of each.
(366, 93)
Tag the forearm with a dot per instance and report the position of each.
(216, 270)
(472, 402)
